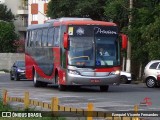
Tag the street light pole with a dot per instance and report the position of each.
(128, 62)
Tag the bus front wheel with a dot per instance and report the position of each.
(35, 82)
(104, 88)
(60, 86)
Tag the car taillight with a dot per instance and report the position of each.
(158, 77)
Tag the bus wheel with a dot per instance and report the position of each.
(104, 88)
(60, 87)
(35, 82)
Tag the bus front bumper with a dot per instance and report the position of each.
(95, 81)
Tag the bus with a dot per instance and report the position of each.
(65, 52)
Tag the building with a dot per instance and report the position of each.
(27, 12)
(37, 11)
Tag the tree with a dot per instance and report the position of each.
(117, 11)
(145, 31)
(75, 8)
(6, 14)
(7, 37)
(145, 27)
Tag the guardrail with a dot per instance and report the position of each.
(56, 108)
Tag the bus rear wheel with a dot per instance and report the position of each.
(104, 88)
(60, 86)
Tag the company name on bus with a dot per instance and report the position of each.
(102, 31)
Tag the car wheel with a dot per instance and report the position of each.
(124, 79)
(60, 87)
(11, 77)
(35, 82)
(16, 77)
(150, 82)
(104, 88)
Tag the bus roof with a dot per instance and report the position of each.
(86, 22)
(70, 21)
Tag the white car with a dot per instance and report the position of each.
(125, 77)
(151, 74)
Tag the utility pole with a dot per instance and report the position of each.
(128, 62)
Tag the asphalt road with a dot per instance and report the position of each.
(122, 97)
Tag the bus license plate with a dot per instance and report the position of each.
(95, 80)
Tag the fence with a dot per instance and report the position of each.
(56, 108)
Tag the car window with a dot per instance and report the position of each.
(21, 64)
(154, 65)
(158, 67)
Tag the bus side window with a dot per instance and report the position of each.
(32, 34)
(44, 37)
(38, 38)
(56, 36)
(28, 38)
(50, 36)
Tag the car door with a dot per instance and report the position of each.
(158, 69)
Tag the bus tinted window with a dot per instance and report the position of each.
(27, 39)
(38, 39)
(32, 38)
(44, 37)
(50, 36)
(56, 37)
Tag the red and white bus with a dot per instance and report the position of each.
(65, 52)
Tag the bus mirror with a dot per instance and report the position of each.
(65, 41)
(124, 41)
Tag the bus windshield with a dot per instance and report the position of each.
(93, 46)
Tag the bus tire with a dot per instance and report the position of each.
(35, 82)
(60, 87)
(104, 88)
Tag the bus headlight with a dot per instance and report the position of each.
(117, 72)
(74, 72)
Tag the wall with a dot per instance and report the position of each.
(7, 59)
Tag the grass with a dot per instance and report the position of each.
(10, 109)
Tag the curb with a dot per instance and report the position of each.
(136, 82)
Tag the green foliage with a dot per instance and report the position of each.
(75, 8)
(7, 30)
(5, 14)
(117, 11)
(145, 32)
(7, 37)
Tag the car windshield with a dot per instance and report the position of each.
(20, 64)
